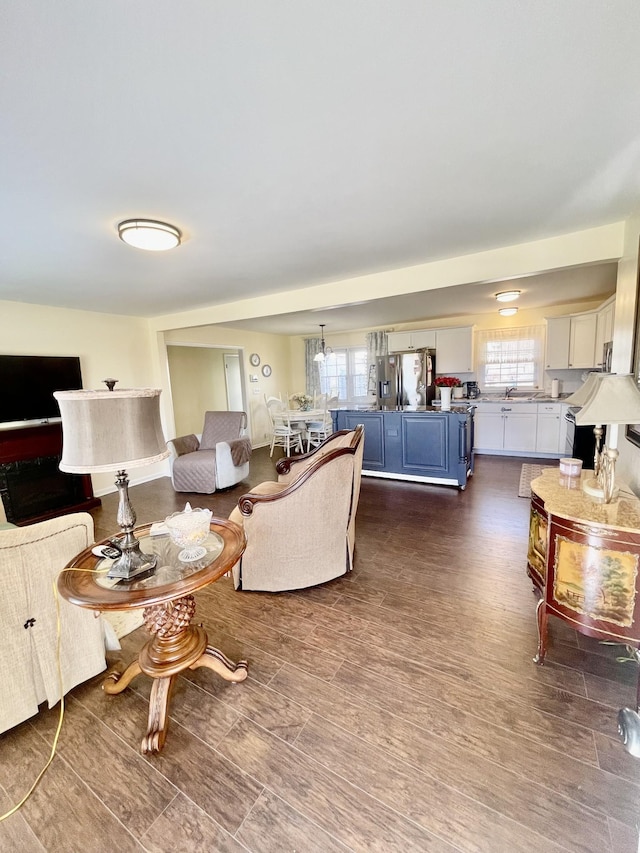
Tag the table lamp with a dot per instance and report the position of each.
(614, 399)
(579, 398)
(112, 431)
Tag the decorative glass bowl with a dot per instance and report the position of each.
(189, 530)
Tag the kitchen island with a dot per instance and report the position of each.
(422, 444)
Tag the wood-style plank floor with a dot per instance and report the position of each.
(396, 709)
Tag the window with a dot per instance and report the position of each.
(344, 373)
(510, 357)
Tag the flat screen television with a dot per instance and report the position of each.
(27, 383)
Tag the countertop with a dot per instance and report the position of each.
(563, 496)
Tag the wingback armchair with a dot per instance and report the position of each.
(291, 467)
(298, 531)
(31, 558)
(218, 460)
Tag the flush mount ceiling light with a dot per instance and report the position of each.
(149, 234)
(507, 312)
(324, 350)
(508, 295)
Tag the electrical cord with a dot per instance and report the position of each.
(54, 746)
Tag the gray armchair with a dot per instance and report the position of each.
(218, 460)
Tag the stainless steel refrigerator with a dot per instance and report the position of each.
(406, 379)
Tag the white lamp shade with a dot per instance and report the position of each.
(580, 397)
(614, 399)
(110, 430)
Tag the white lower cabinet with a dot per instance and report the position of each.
(550, 422)
(520, 428)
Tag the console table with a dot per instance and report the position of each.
(169, 607)
(583, 558)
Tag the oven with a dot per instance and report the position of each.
(581, 442)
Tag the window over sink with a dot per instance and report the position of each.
(510, 357)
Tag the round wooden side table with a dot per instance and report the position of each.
(169, 606)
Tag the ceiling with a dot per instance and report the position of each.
(302, 143)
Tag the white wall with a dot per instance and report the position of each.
(198, 385)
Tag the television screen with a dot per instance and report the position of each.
(27, 383)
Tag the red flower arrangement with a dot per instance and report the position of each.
(448, 381)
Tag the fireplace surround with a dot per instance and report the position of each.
(32, 487)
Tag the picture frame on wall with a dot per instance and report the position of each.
(633, 430)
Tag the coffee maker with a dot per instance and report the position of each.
(472, 390)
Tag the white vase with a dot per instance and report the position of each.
(445, 397)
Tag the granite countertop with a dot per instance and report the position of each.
(563, 496)
(542, 398)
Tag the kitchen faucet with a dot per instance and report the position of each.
(509, 390)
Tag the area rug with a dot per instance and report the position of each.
(528, 473)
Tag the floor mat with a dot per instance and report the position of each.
(528, 473)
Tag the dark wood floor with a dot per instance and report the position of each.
(392, 710)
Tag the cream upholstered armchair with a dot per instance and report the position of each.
(291, 467)
(30, 560)
(298, 531)
(218, 460)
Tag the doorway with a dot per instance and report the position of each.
(203, 378)
(233, 380)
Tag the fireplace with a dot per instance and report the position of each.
(32, 487)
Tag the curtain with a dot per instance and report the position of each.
(510, 357)
(377, 345)
(312, 347)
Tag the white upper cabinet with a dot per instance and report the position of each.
(582, 340)
(454, 350)
(572, 341)
(558, 332)
(416, 339)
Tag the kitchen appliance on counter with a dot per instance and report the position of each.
(406, 379)
(471, 390)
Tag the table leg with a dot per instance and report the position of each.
(543, 618)
(175, 645)
(158, 724)
(213, 659)
(116, 682)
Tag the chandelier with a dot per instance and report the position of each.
(324, 350)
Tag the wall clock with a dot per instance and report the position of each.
(254, 358)
(266, 370)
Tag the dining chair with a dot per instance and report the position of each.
(283, 433)
(318, 430)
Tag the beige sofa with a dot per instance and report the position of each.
(298, 528)
(30, 560)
